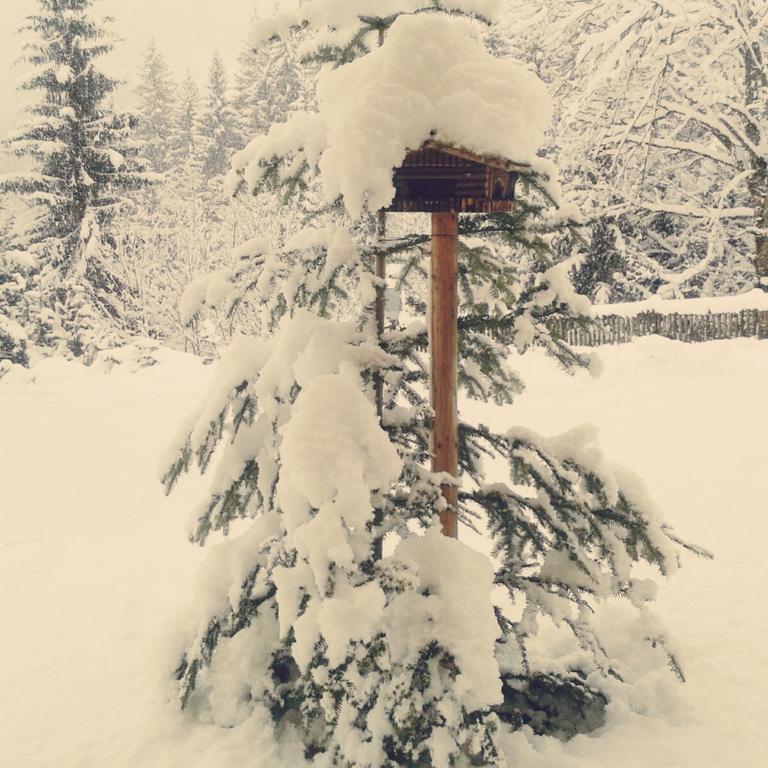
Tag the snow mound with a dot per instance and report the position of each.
(754, 299)
(95, 574)
(456, 584)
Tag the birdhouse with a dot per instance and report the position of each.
(440, 177)
(445, 181)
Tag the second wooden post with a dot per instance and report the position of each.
(443, 345)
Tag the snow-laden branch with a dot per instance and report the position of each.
(713, 214)
(373, 110)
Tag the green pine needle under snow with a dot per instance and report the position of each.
(95, 568)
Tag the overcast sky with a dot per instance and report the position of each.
(186, 31)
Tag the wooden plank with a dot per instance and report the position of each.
(439, 171)
(443, 345)
(415, 205)
(466, 154)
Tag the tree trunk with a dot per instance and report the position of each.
(756, 82)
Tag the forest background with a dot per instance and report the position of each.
(658, 135)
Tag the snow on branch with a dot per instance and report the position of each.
(338, 21)
(373, 110)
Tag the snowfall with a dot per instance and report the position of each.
(96, 574)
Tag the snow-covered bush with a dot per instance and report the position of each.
(183, 227)
(333, 607)
(14, 306)
(13, 341)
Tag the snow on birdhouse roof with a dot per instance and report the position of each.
(495, 162)
(432, 80)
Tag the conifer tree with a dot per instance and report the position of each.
(85, 163)
(247, 78)
(395, 654)
(217, 124)
(186, 128)
(606, 273)
(267, 84)
(187, 144)
(156, 93)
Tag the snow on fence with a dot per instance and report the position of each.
(619, 329)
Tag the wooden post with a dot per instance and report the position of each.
(443, 345)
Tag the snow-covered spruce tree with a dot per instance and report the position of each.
(605, 273)
(334, 608)
(270, 83)
(186, 141)
(267, 85)
(156, 107)
(84, 164)
(217, 123)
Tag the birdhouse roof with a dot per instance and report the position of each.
(466, 154)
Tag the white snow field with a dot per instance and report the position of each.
(95, 571)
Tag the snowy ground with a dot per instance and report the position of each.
(95, 570)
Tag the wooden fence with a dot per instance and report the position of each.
(615, 329)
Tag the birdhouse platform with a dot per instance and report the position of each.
(441, 177)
